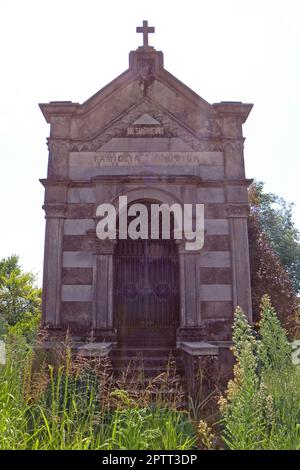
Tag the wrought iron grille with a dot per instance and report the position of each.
(146, 286)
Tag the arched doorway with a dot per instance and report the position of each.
(146, 292)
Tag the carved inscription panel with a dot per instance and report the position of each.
(96, 159)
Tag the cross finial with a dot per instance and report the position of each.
(145, 29)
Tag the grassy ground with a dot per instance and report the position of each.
(78, 406)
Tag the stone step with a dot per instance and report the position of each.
(146, 361)
(147, 379)
(154, 382)
(156, 368)
(144, 352)
(144, 366)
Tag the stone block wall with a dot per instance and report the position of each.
(96, 153)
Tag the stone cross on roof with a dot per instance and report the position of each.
(145, 29)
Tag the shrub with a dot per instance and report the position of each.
(246, 408)
(275, 351)
(261, 406)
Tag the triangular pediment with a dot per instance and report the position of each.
(166, 126)
(146, 120)
(146, 76)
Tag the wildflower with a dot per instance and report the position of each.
(205, 435)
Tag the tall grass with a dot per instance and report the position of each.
(77, 406)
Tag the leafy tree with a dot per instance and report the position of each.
(275, 218)
(20, 299)
(268, 273)
(8, 265)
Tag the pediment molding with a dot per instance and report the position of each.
(208, 138)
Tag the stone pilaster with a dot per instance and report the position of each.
(58, 158)
(103, 289)
(237, 216)
(55, 215)
(234, 159)
(230, 118)
(190, 303)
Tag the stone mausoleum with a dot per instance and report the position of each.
(148, 136)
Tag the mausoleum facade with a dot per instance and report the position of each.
(148, 137)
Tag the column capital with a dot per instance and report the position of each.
(236, 145)
(57, 144)
(237, 210)
(55, 211)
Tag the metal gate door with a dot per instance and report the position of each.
(146, 292)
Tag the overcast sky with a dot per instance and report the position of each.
(239, 50)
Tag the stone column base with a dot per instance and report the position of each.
(104, 335)
(192, 333)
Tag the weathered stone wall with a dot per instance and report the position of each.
(193, 154)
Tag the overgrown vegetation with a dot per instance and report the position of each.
(76, 404)
(261, 406)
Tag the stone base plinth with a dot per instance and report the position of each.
(92, 350)
(201, 364)
(189, 334)
(104, 335)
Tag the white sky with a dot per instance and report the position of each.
(239, 50)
